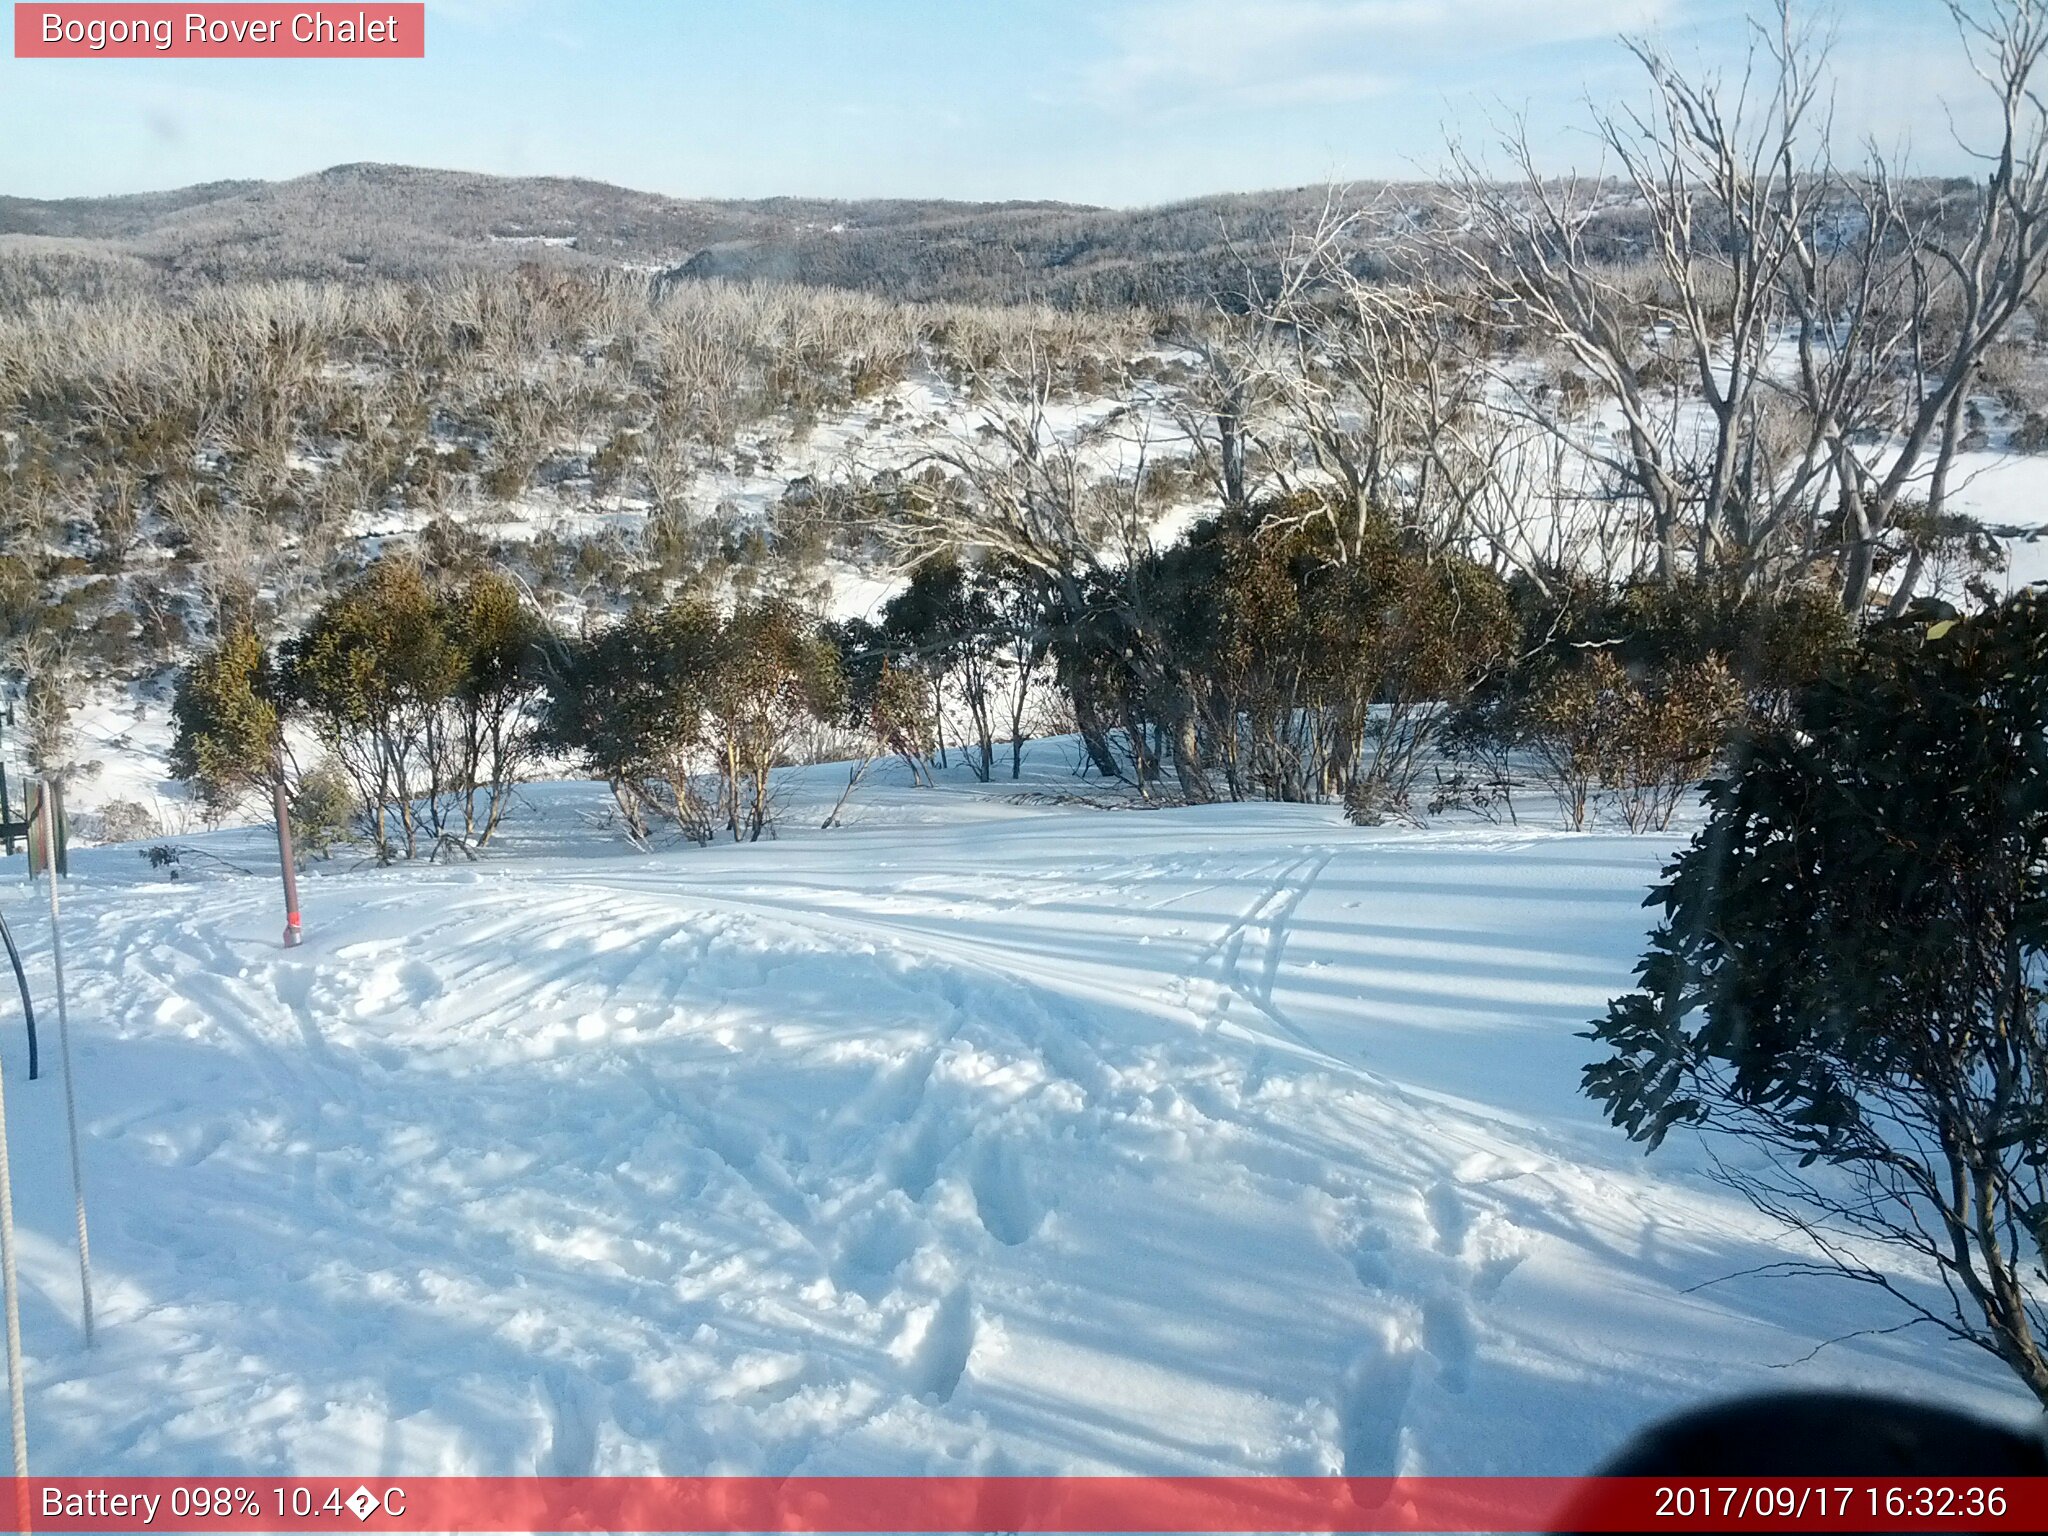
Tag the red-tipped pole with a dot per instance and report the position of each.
(292, 934)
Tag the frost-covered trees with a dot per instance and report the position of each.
(1788, 368)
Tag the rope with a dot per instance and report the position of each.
(64, 1057)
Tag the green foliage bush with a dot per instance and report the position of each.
(323, 811)
(226, 718)
(421, 696)
(1627, 695)
(667, 701)
(1851, 970)
(1303, 670)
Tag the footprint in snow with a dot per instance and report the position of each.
(939, 1344)
(915, 1166)
(1451, 1337)
(1002, 1197)
(1449, 1219)
(570, 1408)
(1373, 1406)
(874, 1248)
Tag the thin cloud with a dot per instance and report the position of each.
(1251, 52)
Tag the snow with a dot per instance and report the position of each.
(989, 1134)
(2008, 492)
(120, 739)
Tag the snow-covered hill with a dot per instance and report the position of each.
(987, 1134)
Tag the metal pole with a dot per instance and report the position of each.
(6, 804)
(28, 1007)
(52, 814)
(286, 861)
(11, 1288)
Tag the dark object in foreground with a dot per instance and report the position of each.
(1821, 1434)
(1829, 1434)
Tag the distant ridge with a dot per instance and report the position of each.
(399, 221)
(407, 221)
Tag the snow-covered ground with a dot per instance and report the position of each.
(987, 1134)
(2008, 493)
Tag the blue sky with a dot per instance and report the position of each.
(1111, 101)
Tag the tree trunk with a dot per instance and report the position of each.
(1185, 745)
(1094, 734)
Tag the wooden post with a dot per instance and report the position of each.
(49, 841)
(7, 831)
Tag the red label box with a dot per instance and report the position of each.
(1133, 1506)
(365, 29)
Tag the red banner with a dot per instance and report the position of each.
(1052, 1504)
(368, 29)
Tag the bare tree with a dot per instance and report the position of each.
(1219, 408)
(1803, 310)
(43, 664)
(1060, 499)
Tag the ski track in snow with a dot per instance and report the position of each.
(976, 1138)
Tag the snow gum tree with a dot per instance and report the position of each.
(1851, 974)
(676, 704)
(227, 720)
(368, 673)
(487, 734)
(1808, 309)
(425, 696)
(772, 676)
(1316, 671)
(630, 702)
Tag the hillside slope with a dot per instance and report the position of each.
(408, 221)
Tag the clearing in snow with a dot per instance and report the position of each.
(987, 1135)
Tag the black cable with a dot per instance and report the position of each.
(28, 1009)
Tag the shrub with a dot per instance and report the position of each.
(886, 704)
(630, 704)
(771, 675)
(424, 697)
(1666, 738)
(486, 733)
(1568, 721)
(1313, 672)
(323, 809)
(670, 697)
(368, 673)
(124, 821)
(226, 714)
(1852, 971)
(1770, 643)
